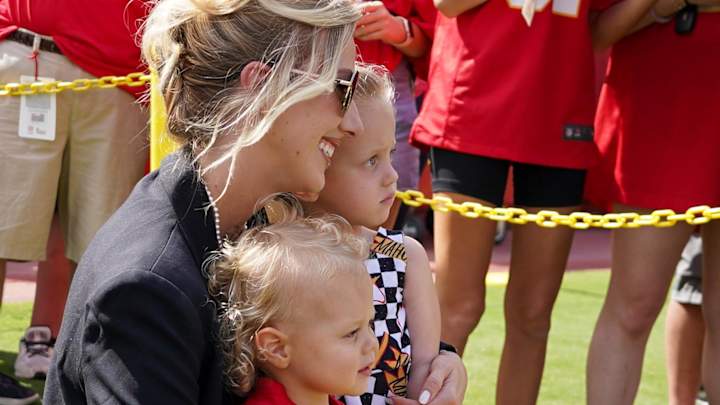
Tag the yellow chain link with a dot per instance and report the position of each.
(550, 219)
(547, 219)
(24, 89)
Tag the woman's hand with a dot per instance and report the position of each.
(378, 24)
(445, 384)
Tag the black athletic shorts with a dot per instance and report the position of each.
(485, 178)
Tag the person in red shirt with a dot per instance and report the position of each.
(512, 86)
(658, 127)
(397, 34)
(79, 153)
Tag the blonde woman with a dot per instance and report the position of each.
(259, 93)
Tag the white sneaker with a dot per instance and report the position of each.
(36, 350)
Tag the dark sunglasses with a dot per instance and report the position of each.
(346, 90)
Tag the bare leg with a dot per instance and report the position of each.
(539, 257)
(711, 310)
(643, 264)
(684, 331)
(462, 255)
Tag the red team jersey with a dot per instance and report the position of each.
(88, 32)
(501, 89)
(658, 121)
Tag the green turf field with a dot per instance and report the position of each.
(563, 383)
(574, 317)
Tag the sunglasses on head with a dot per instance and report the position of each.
(346, 90)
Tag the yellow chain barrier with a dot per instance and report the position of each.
(161, 145)
(25, 89)
(550, 219)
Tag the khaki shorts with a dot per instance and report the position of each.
(98, 155)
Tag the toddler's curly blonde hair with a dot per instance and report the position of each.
(258, 279)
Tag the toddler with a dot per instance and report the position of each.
(295, 307)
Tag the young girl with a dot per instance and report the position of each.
(360, 186)
(295, 310)
(397, 34)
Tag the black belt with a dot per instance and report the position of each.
(27, 39)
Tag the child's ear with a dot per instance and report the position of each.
(253, 73)
(272, 346)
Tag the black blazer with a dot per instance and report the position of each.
(139, 327)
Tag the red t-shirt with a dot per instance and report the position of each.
(419, 12)
(501, 89)
(100, 36)
(270, 392)
(658, 121)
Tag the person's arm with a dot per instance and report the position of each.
(664, 10)
(446, 383)
(143, 343)
(423, 316)
(378, 24)
(453, 8)
(612, 24)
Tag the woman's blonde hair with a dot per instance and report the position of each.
(199, 48)
(255, 280)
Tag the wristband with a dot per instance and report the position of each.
(447, 347)
(408, 32)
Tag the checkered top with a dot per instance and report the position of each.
(386, 266)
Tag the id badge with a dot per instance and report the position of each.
(37, 113)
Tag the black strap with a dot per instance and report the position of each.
(447, 347)
(27, 39)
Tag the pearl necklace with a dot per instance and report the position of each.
(217, 215)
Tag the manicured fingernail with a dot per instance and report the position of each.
(424, 397)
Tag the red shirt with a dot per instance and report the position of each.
(270, 392)
(100, 36)
(419, 12)
(658, 121)
(501, 89)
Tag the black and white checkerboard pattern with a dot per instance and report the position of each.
(390, 318)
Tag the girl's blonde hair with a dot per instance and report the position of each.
(255, 280)
(199, 48)
(374, 83)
